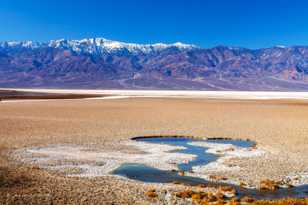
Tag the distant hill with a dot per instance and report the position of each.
(106, 64)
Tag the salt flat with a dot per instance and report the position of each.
(181, 93)
(279, 126)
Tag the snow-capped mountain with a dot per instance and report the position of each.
(97, 45)
(20, 44)
(102, 63)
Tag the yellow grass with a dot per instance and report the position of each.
(283, 202)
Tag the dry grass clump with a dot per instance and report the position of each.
(247, 199)
(234, 201)
(177, 182)
(205, 198)
(185, 194)
(217, 178)
(243, 184)
(269, 185)
(151, 194)
(201, 186)
(227, 189)
(181, 173)
(202, 197)
(288, 201)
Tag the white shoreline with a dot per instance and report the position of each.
(233, 95)
(101, 163)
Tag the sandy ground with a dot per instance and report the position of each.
(278, 126)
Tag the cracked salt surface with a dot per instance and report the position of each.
(87, 161)
(93, 163)
(82, 161)
(226, 152)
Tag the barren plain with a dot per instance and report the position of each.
(277, 125)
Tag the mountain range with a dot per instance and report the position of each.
(98, 63)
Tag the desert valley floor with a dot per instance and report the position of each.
(278, 126)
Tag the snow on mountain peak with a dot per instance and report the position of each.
(97, 45)
(92, 45)
(25, 44)
(103, 44)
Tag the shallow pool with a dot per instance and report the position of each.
(148, 174)
(202, 157)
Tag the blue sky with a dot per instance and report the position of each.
(206, 23)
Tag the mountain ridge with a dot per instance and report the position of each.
(104, 64)
(103, 43)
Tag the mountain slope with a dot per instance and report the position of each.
(102, 63)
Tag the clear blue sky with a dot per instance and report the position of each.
(206, 23)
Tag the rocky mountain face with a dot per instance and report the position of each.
(106, 64)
